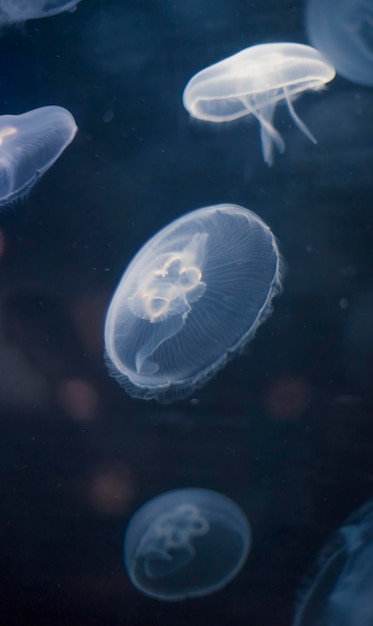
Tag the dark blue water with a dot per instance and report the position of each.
(285, 430)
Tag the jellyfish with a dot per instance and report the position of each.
(192, 297)
(344, 35)
(254, 81)
(341, 592)
(29, 144)
(13, 11)
(186, 543)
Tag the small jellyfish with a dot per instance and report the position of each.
(344, 33)
(254, 81)
(186, 543)
(13, 11)
(29, 144)
(341, 592)
(192, 297)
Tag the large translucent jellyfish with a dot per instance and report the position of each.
(29, 144)
(344, 33)
(253, 82)
(186, 543)
(192, 297)
(13, 11)
(341, 592)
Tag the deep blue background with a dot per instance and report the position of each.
(286, 430)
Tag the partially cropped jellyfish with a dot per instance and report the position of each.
(253, 82)
(341, 592)
(29, 144)
(344, 33)
(186, 543)
(192, 297)
(13, 11)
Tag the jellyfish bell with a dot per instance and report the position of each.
(341, 591)
(13, 11)
(345, 35)
(192, 297)
(186, 543)
(29, 144)
(253, 82)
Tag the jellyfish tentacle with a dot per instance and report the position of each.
(301, 125)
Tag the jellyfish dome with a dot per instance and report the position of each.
(344, 33)
(186, 543)
(29, 144)
(192, 297)
(253, 82)
(341, 592)
(13, 11)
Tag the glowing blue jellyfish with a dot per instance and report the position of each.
(341, 593)
(344, 33)
(13, 11)
(192, 297)
(253, 82)
(186, 543)
(29, 144)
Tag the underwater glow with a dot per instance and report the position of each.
(253, 82)
(186, 543)
(192, 297)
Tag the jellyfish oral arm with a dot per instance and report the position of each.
(163, 331)
(268, 134)
(301, 125)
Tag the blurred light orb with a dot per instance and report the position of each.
(13, 11)
(110, 489)
(29, 144)
(190, 300)
(253, 82)
(341, 592)
(186, 543)
(344, 33)
(287, 397)
(79, 399)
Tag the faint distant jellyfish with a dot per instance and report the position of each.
(254, 81)
(344, 33)
(341, 592)
(192, 297)
(186, 543)
(13, 11)
(29, 144)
